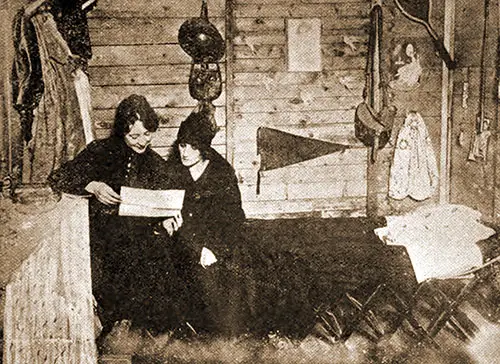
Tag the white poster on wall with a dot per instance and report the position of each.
(303, 43)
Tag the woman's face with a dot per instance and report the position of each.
(189, 155)
(138, 138)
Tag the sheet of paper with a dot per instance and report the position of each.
(153, 203)
(304, 45)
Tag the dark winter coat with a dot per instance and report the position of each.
(133, 276)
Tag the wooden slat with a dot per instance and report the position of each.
(301, 10)
(108, 97)
(298, 118)
(349, 79)
(169, 117)
(300, 174)
(260, 38)
(294, 208)
(317, 90)
(260, 24)
(156, 8)
(278, 65)
(133, 55)
(118, 31)
(139, 75)
(296, 104)
(259, 51)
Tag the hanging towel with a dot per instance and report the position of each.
(414, 170)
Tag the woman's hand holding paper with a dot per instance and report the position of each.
(103, 193)
(172, 224)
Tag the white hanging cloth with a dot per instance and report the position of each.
(414, 171)
(82, 88)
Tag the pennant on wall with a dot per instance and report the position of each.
(279, 149)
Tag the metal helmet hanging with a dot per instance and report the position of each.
(200, 39)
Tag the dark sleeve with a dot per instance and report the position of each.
(228, 217)
(73, 176)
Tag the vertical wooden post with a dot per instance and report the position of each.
(446, 95)
(495, 138)
(5, 144)
(374, 168)
(230, 116)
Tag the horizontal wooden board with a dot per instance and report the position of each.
(252, 51)
(134, 55)
(328, 25)
(108, 97)
(299, 174)
(299, 118)
(295, 208)
(143, 75)
(301, 10)
(156, 8)
(260, 38)
(329, 63)
(260, 65)
(297, 104)
(137, 30)
(259, 25)
(329, 49)
(349, 79)
(326, 189)
(169, 117)
(306, 92)
(268, 192)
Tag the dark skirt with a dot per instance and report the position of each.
(134, 278)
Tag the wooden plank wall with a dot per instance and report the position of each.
(473, 183)
(424, 99)
(136, 51)
(313, 104)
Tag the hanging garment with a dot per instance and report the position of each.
(58, 132)
(82, 88)
(414, 170)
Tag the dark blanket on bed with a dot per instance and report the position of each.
(299, 265)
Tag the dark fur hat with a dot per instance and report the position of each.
(197, 130)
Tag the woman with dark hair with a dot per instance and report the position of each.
(133, 276)
(207, 241)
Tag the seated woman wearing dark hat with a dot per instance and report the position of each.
(133, 275)
(208, 238)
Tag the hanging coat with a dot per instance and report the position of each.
(414, 170)
(58, 131)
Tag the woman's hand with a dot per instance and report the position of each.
(207, 257)
(172, 224)
(103, 193)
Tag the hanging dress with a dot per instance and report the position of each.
(414, 170)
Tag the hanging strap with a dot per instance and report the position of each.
(482, 70)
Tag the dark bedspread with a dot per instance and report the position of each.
(299, 265)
